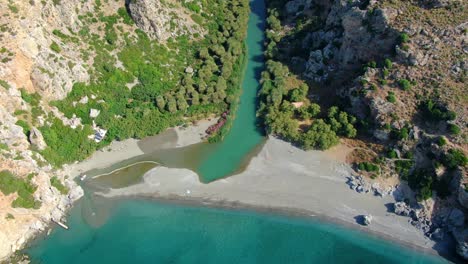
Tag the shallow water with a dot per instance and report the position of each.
(143, 231)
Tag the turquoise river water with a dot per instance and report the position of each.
(147, 231)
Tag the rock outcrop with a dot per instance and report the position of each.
(159, 26)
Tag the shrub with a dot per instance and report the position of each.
(368, 166)
(392, 154)
(454, 158)
(25, 126)
(54, 181)
(403, 38)
(403, 167)
(391, 97)
(441, 141)
(454, 129)
(55, 47)
(9, 184)
(436, 111)
(404, 84)
(388, 63)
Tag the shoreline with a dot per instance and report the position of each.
(288, 212)
(284, 179)
(171, 185)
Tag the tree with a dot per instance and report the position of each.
(171, 104)
(319, 136)
(160, 103)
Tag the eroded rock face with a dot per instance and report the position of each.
(350, 36)
(155, 18)
(461, 237)
(36, 139)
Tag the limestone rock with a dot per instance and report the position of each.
(36, 139)
(93, 113)
(155, 18)
(367, 219)
(401, 208)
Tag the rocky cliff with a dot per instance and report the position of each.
(399, 67)
(47, 47)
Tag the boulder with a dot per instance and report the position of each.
(401, 208)
(36, 139)
(93, 113)
(367, 219)
(461, 238)
(456, 218)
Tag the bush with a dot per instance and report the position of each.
(454, 129)
(9, 183)
(368, 166)
(391, 97)
(441, 141)
(388, 63)
(403, 167)
(54, 181)
(436, 112)
(454, 158)
(392, 154)
(403, 38)
(404, 84)
(55, 47)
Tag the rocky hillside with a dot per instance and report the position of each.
(389, 79)
(76, 75)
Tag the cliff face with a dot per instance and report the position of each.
(400, 68)
(46, 49)
(163, 19)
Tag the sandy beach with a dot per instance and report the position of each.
(284, 177)
(281, 177)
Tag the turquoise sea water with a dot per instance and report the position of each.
(142, 231)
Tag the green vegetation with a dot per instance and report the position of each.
(9, 217)
(368, 166)
(165, 93)
(441, 141)
(454, 158)
(388, 63)
(25, 126)
(422, 181)
(9, 183)
(403, 38)
(404, 84)
(4, 84)
(436, 111)
(55, 47)
(304, 124)
(403, 167)
(392, 154)
(54, 181)
(391, 97)
(453, 129)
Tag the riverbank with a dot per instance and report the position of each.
(119, 151)
(282, 177)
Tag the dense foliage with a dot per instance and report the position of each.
(9, 183)
(285, 108)
(158, 85)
